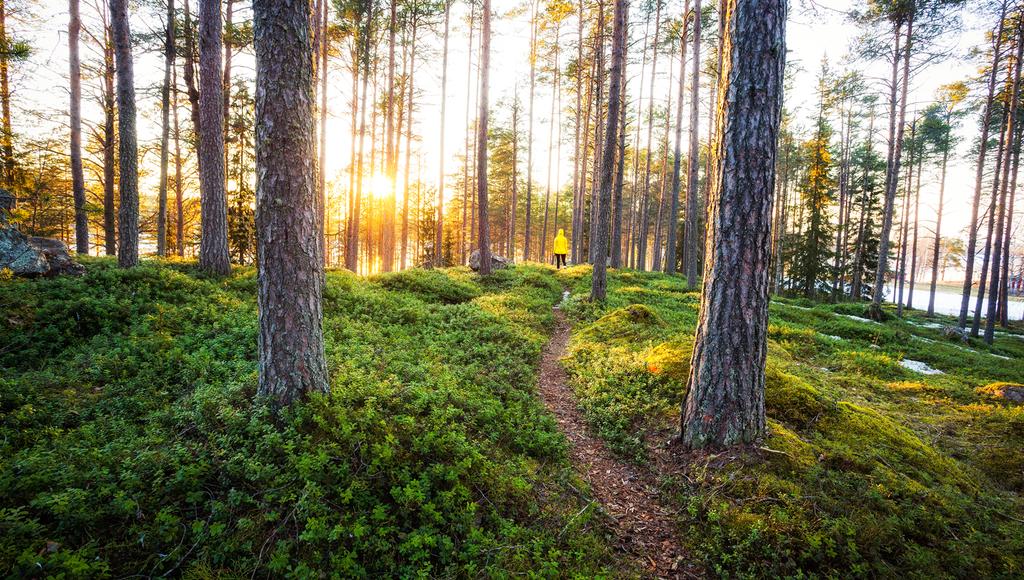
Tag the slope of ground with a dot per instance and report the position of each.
(871, 468)
(130, 442)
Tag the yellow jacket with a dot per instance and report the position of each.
(561, 243)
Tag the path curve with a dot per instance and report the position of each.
(628, 493)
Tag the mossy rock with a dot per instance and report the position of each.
(671, 359)
(431, 285)
(633, 322)
(1006, 392)
(792, 400)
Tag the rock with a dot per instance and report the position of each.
(955, 333)
(32, 256)
(1011, 392)
(497, 262)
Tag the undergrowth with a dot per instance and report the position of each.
(131, 440)
(869, 469)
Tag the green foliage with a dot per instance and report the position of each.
(130, 441)
(869, 469)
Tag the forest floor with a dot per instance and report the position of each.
(132, 440)
(644, 527)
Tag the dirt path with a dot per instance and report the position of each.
(628, 493)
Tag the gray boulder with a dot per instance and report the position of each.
(32, 256)
(497, 262)
(955, 333)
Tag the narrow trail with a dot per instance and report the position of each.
(628, 493)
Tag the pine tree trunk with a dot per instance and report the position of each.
(1003, 305)
(229, 8)
(724, 403)
(620, 170)
(179, 199)
(75, 110)
(527, 229)
(213, 243)
(938, 220)
(411, 79)
(986, 119)
(691, 238)
(109, 143)
(484, 239)
(439, 234)
(165, 130)
(514, 205)
(997, 251)
(646, 185)
(599, 282)
(913, 242)
(897, 114)
(673, 216)
(7, 136)
(128, 210)
(578, 157)
(291, 343)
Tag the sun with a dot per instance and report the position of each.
(379, 186)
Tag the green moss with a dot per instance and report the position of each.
(793, 401)
(622, 325)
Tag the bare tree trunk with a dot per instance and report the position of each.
(724, 403)
(693, 160)
(128, 210)
(599, 282)
(466, 187)
(408, 145)
(644, 215)
(997, 251)
(7, 137)
(213, 242)
(529, 132)
(938, 219)
(913, 243)
(179, 199)
(673, 216)
(190, 77)
(109, 142)
(551, 146)
(75, 110)
(438, 236)
(229, 8)
(291, 342)
(165, 105)
(595, 195)
(484, 242)
(579, 156)
(972, 231)
(510, 245)
(1003, 305)
(620, 167)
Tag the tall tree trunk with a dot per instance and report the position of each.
(291, 342)
(986, 119)
(724, 403)
(578, 156)
(408, 144)
(7, 138)
(484, 242)
(897, 115)
(190, 77)
(997, 251)
(213, 242)
(466, 186)
(913, 243)
(673, 216)
(128, 210)
(390, 157)
(646, 195)
(321, 182)
(75, 110)
(438, 235)
(595, 195)
(229, 29)
(620, 168)
(109, 142)
(691, 238)
(179, 198)
(938, 218)
(599, 282)
(165, 130)
(551, 146)
(527, 233)
(1003, 305)
(510, 249)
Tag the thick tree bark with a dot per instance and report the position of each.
(986, 119)
(291, 275)
(620, 169)
(725, 400)
(213, 243)
(439, 234)
(484, 239)
(599, 282)
(693, 161)
(897, 115)
(673, 216)
(165, 130)
(75, 110)
(128, 210)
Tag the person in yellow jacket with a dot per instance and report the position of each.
(561, 248)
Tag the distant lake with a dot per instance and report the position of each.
(948, 302)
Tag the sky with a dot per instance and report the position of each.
(815, 30)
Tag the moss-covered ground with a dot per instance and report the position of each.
(870, 469)
(131, 440)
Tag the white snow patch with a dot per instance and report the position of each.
(927, 324)
(795, 306)
(999, 356)
(919, 367)
(858, 318)
(833, 337)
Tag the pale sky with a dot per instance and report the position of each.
(815, 30)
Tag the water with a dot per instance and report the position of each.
(948, 302)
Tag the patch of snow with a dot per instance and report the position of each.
(795, 306)
(858, 318)
(999, 356)
(833, 337)
(935, 325)
(919, 367)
